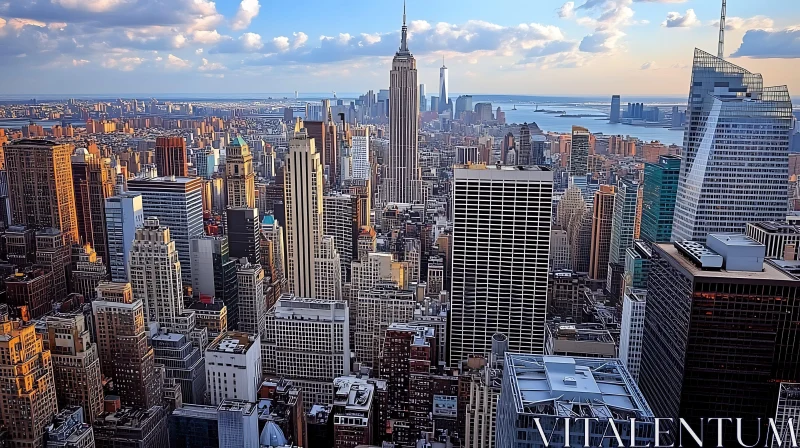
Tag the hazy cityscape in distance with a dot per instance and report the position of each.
(453, 224)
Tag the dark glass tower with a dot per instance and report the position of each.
(658, 198)
(242, 229)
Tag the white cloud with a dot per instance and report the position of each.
(567, 10)
(651, 65)
(211, 66)
(783, 44)
(750, 23)
(206, 37)
(93, 6)
(248, 10)
(123, 64)
(176, 63)
(676, 20)
(198, 51)
(300, 39)
(281, 43)
(79, 62)
(371, 38)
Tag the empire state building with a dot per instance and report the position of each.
(403, 180)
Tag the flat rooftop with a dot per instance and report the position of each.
(770, 273)
(565, 387)
(781, 227)
(233, 342)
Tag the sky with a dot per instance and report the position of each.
(537, 47)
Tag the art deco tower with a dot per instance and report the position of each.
(403, 178)
(240, 177)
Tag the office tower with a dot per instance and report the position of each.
(340, 222)
(623, 228)
(125, 356)
(243, 228)
(183, 363)
(658, 198)
(53, 253)
(560, 381)
(233, 367)
(252, 306)
(423, 100)
(360, 150)
(308, 342)
(273, 232)
(718, 188)
(170, 155)
(444, 91)
(637, 264)
(632, 332)
(193, 426)
(28, 401)
(602, 218)
(357, 411)
(69, 429)
(409, 353)
(492, 291)
(615, 109)
(579, 152)
(402, 180)
(565, 298)
(524, 145)
(136, 427)
(156, 275)
(694, 292)
(206, 161)
(303, 203)
(87, 271)
(178, 204)
(781, 240)
(76, 364)
(484, 112)
(31, 287)
(378, 308)
(214, 274)
(559, 250)
(240, 179)
(238, 424)
(579, 340)
(463, 104)
(328, 270)
(326, 141)
(124, 214)
(479, 389)
(40, 186)
(94, 179)
(434, 104)
(787, 413)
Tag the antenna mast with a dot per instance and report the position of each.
(721, 49)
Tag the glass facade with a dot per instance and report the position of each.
(658, 199)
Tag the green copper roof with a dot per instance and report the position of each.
(238, 141)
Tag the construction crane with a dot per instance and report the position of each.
(721, 49)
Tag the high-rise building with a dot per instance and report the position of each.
(124, 214)
(94, 180)
(632, 331)
(787, 414)
(734, 124)
(243, 229)
(781, 239)
(637, 264)
(28, 402)
(214, 273)
(76, 364)
(69, 429)
(233, 367)
(557, 382)
(444, 89)
(31, 287)
(193, 426)
(559, 249)
(423, 100)
(87, 271)
(602, 218)
(131, 426)
(53, 253)
(328, 270)
(356, 411)
(340, 222)
(308, 342)
(360, 150)
(623, 224)
(579, 154)
(492, 291)
(240, 179)
(524, 145)
(377, 309)
(40, 186)
(238, 424)
(615, 109)
(252, 306)
(694, 292)
(304, 221)
(326, 139)
(403, 178)
(463, 104)
(177, 202)
(170, 155)
(658, 198)
(183, 363)
(125, 356)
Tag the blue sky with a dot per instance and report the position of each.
(544, 47)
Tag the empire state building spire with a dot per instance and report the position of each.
(404, 38)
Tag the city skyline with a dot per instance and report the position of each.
(233, 47)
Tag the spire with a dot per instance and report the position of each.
(721, 47)
(404, 36)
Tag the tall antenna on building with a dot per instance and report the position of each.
(721, 49)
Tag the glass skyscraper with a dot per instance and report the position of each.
(735, 165)
(658, 198)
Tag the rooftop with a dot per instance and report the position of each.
(567, 387)
(354, 394)
(775, 227)
(770, 272)
(233, 342)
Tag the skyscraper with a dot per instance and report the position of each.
(177, 202)
(233, 367)
(403, 180)
(444, 90)
(615, 109)
(377, 309)
(125, 355)
(493, 291)
(94, 179)
(734, 125)
(40, 186)
(602, 218)
(252, 306)
(622, 231)
(360, 152)
(239, 175)
(658, 199)
(423, 101)
(340, 223)
(243, 229)
(214, 273)
(170, 155)
(124, 214)
(579, 154)
(303, 199)
(632, 331)
(28, 402)
(524, 145)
